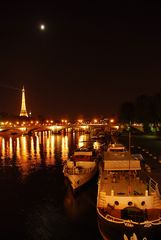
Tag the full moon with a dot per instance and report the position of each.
(42, 27)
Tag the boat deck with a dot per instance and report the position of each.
(121, 184)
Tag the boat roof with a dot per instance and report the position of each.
(115, 147)
(114, 161)
(84, 153)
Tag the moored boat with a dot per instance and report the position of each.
(128, 200)
(81, 167)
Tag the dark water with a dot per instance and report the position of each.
(36, 201)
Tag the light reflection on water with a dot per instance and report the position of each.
(29, 152)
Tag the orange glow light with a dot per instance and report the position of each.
(111, 120)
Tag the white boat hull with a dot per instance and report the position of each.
(77, 180)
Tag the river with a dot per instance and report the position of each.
(36, 201)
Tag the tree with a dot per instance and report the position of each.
(127, 112)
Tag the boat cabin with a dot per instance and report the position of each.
(82, 156)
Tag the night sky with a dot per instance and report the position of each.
(91, 57)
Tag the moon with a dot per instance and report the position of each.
(42, 27)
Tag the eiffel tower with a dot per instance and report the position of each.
(23, 111)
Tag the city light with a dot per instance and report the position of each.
(112, 120)
(80, 120)
(95, 120)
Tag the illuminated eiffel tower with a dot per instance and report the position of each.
(23, 111)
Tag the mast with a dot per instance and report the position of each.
(129, 141)
(129, 187)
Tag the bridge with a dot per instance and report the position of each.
(29, 128)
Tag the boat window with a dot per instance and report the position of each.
(117, 150)
(130, 203)
(116, 203)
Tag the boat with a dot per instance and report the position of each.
(128, 200)
(81, 167)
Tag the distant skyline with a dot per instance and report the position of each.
(89, 59)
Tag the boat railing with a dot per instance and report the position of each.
(153, 186)
(129, 223)
(78, 171)
(114, 219)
